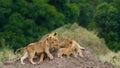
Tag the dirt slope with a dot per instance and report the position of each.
(89, 61)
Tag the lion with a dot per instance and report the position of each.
(41, 48)
(54, 45)
(66, 51)
(72, 43)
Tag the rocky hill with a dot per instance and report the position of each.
(94, 47)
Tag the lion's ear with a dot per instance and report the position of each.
(55, 34)
(47, 39)
(50, 37)
(71, 42)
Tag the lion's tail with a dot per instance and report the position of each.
(82, 48)
(18, 50)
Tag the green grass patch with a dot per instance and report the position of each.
(6, 54)
(112, 57)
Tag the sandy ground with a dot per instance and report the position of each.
(89, 61)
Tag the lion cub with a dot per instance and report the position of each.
(66, 51)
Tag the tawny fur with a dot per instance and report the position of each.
(66, 51)
(41, 48)
(72, 43)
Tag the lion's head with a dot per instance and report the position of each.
(53, 40)
(66, 43)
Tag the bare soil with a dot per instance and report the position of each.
(89, 61)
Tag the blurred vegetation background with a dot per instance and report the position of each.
(26, 21)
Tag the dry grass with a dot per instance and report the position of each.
(111, 57)
(6, 54)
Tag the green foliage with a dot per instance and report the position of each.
(107, 21)
(87, 8)
(68, 25)
(6, 54)
(26, 21)
(23, 22)
(114, 45)
(70, 11)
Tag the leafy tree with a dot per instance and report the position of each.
(106, 20)
(4, 12)
(87, 10)
(70, 10)
(26, 21)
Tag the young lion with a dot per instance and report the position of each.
(39, 48)
(73, 44)
(54, 45)
(66, 51)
